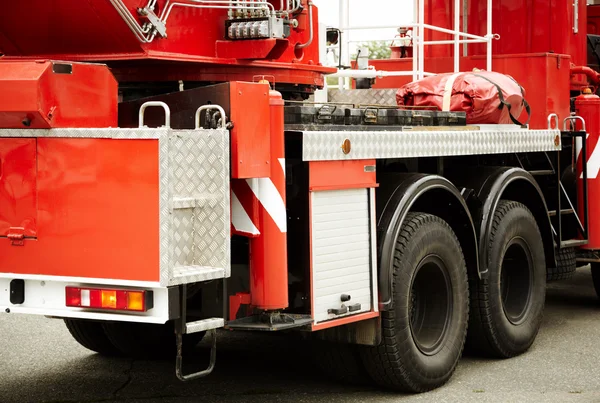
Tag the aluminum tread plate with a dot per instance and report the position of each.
(199, 213)
(326, 145)
(101, 133)
(363, 97)
(204, 325)
(194, 274)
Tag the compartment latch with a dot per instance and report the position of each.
(16, 235)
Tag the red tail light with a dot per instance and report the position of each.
(100, 298)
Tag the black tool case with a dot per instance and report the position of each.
(312, 117)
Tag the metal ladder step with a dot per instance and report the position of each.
(552, 213)
(542, 172)
(204, 325)
(573, 242)
(196, 274)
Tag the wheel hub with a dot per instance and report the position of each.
(430, 305)
(516, 281)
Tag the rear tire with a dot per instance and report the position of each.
(90, 334)
(424, 333)
(507, 307)
(147, 341)
(596, 277)
(566, 265)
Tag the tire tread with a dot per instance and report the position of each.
(384, 362)
(566, 265)
(91, 335)
(482, 337)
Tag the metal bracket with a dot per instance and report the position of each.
(157, 25)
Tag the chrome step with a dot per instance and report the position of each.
(573, 242)
(197, 274)
(204, 325)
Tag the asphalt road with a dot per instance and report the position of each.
(39, 362)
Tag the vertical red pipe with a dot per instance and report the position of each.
(268, 251)
(588, 107)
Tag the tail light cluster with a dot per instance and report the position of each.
(119, 300)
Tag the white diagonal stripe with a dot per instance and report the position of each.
(240, 219)
(282, 162)
(593, 164)
(268, 195)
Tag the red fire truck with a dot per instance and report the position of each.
(164, 172)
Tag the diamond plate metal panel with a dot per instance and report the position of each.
(108, 133)
(195, 274)
(199, 205)
(363, 97)
(326, 145)
(164, 210)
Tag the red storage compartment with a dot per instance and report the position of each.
(44, 95)
(89, 214)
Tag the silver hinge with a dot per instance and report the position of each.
(157, 25)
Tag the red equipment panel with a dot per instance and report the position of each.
(98, 213)
(43, 95)
(250, 149)
(93, 30)
(18, 198)
(335, 175)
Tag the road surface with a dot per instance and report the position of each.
(41, 363)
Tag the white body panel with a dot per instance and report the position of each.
(46, 296)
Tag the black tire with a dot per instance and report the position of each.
(90, 334)
(507, 307)
(424, 333)
(147, 341)
(596, 277)
(566, 265)
(340, 362)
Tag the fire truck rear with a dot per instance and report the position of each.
(166, 171)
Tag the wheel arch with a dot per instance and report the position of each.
(489, 185)
(400, 194)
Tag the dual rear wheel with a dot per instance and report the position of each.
(436, 299)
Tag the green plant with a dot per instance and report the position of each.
(377, 50)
